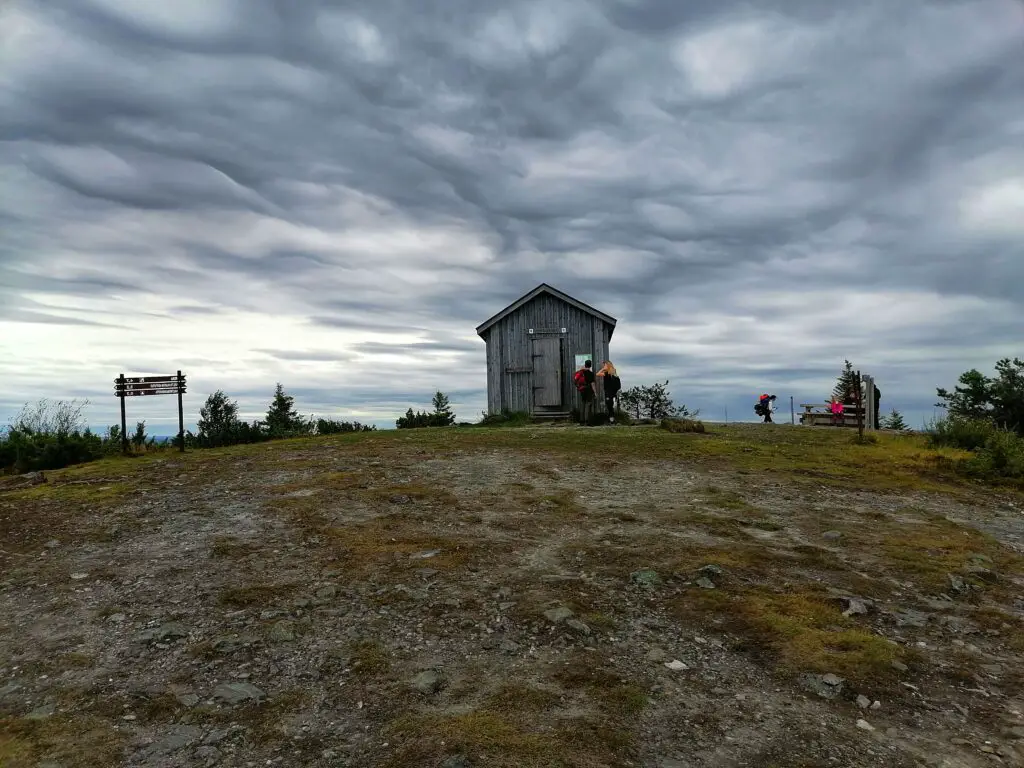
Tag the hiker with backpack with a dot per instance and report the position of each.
(586, 385)
(612, 387)
(765, 406)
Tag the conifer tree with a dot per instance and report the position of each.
(282, 417)
(894, 421)
(443, 416)
(845, 383)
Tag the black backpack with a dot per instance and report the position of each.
(612, 384)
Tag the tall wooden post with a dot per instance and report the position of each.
(860, 405)
(181, 416)
(792, 411)
(124, 424)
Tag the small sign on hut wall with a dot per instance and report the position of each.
(581, 359)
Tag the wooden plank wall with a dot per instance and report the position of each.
(509, 347)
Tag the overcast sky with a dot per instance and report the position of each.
(334, 194)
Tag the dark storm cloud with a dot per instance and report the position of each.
(409, 169)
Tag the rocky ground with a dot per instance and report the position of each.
(538, 597)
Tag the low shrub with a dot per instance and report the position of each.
(1002, 456)
(22, 450)
(506, 418)
(683, 425)
(958, 432)
(332, 427)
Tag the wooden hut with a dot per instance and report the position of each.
(533, 347)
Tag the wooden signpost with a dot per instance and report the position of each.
(139, 386)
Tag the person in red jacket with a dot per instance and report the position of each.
(586, 385)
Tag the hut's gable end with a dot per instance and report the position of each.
(532, 347)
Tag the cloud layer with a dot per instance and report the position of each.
(334, 195)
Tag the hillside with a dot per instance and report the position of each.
(550, 596)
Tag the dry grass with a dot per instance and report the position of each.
(369, 659)
(391, 540)
(256, 594)
(232, 548)
(72, 741)
(798, 631)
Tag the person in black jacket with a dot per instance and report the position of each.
(612, 387)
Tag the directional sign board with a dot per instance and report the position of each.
(139, 386)
(148, 379)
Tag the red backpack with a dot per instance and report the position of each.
(580, 379)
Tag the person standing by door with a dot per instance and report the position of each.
(586, 385)
(612, 386)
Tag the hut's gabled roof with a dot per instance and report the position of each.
(545, 288)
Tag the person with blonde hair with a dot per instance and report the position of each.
(612, 386)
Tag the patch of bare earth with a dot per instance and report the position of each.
(506, 599)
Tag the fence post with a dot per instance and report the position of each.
(792, 411)
(860, 405)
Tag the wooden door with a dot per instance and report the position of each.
(547, 371)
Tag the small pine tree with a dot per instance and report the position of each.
(845, 382)
(443, 416)
(282, 418)
(894, 421)
(139, 438)
(218, 421)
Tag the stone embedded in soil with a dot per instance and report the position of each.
(232, 643)
(52, 544)
(677, 666)
(826, 686)
(864, 725)
(282, 632)
(177, 737)
(428, 682)
(79, 576)
(209, 755)
(957, 584)
(41, 713)
(911, 618)
(863, 701)
(645, 577)
(982, 573)
(170, 631)
(854, 606)
(578, 626)
(236, 693)
(899, 666)
(558, 615)
(705, 583)
(832, 535)
(399, 498)
(425, 555)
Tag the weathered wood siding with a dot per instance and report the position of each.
(510, 378)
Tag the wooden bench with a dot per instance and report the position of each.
(819, 415)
